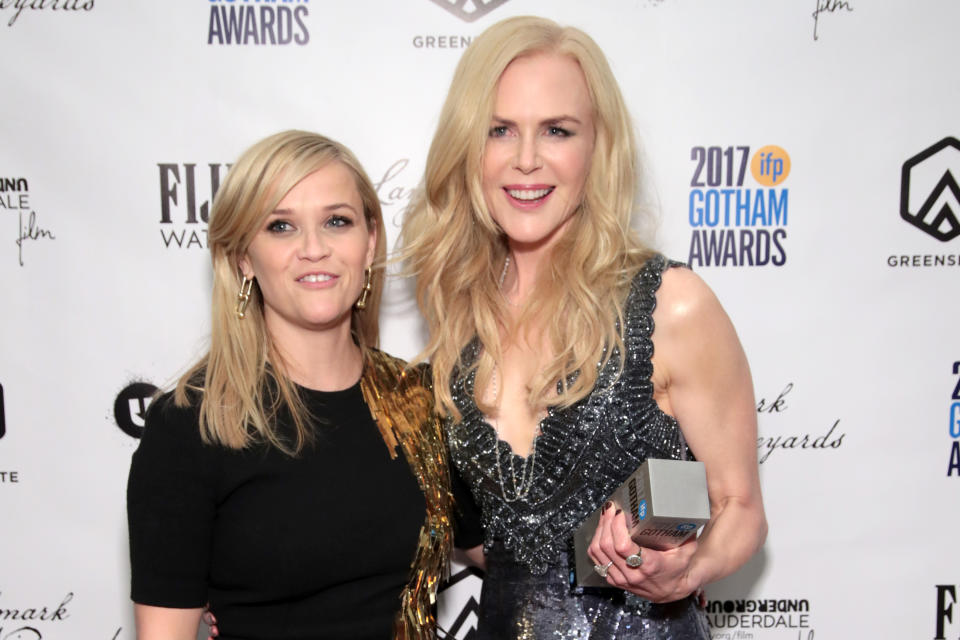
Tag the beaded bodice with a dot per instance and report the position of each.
(583, 452)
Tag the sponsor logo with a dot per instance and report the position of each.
(15, 197)
(469, 10)
(802, 439)
(441, 42)
(946, 598)
(54, 5)
(738, 218)
(130, 407)
(953, 466)
(686, 526)
(27, 621)
(458, 608)
(187, 191)
(929, 194)
(825, 7)
(183, 224)
(642, 510)
(741, 619)
(258, 22)
(11, 477)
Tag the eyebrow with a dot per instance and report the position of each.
(548, 121)
(330, 207)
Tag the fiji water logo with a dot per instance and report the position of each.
(736, 219)
(258, 22)
(642, 510)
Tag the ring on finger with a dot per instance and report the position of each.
(602, 569)
(634, 560)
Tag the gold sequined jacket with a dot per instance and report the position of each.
(401, 402)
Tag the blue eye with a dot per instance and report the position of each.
(498, 132)
(339, 221)
(279, 226)
(559, 131)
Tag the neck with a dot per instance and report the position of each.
(325, 360)
(520, 278)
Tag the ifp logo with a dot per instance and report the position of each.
(929, 194)
(469, 10)
(130, 407)
(770, 166)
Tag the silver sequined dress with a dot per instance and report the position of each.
(582, 454)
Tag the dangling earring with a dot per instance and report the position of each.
(361, 304)
(243, 296)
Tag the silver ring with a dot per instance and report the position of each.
(634, 560)
(603, 570)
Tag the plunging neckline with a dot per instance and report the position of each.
(485, 420)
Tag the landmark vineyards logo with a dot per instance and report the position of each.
(183, 224)
(735, 221)
(258, 22)
(470, 10)
(770, 416)
(37, 5)
(130, 407)
(929, 194)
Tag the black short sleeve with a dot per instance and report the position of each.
(170, 509)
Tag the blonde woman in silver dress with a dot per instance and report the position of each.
(565, 351)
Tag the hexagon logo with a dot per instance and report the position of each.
(929, 194)
(469, 10)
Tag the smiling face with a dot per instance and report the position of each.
(310, 252)
(537, 156)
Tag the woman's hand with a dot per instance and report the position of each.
(211, 621)
(662, 576)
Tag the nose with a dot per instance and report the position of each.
(528, 155)
(314, 245)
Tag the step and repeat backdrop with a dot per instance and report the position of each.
(802, 156)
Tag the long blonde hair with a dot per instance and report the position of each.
(241, 380)
(456, 250)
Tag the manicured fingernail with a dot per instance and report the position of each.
(618, 512)
(606, 506)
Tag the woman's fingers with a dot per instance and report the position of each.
(596, 549)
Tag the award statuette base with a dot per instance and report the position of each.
(665, 502)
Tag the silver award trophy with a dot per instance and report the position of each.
(664, 501)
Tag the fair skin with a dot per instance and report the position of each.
(535, 165)
(700, 374)
(308, 258)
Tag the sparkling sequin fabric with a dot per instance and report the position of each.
(401, 403)
(584, 452)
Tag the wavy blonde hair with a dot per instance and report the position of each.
(457, 251)
(241, 380)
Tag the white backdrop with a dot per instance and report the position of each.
(113, 113)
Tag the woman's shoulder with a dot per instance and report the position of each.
(684, 301)
(169, 419)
